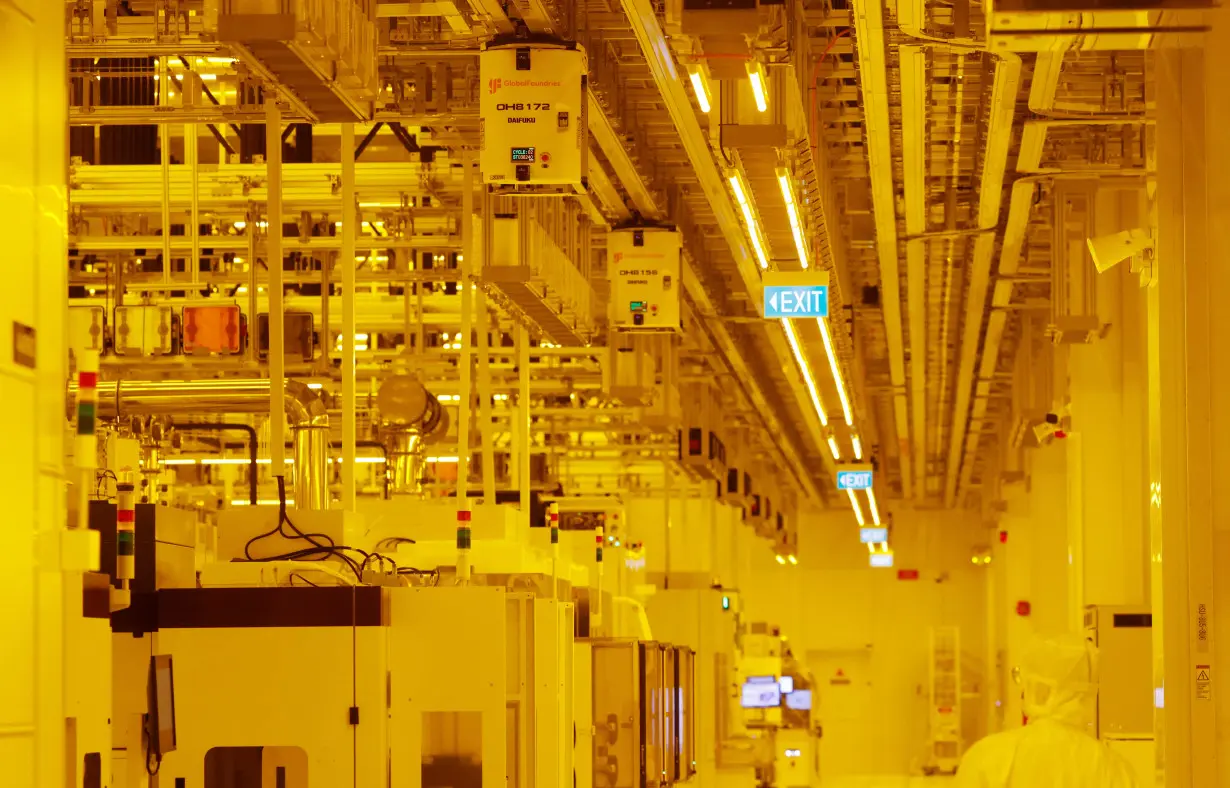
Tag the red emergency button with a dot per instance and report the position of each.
(546, 157)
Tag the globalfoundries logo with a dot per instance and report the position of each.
(496, 84)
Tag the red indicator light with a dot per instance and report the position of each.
(1003, 537)
(907, 574)
(1023, 608)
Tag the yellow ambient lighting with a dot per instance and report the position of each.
(756, 76)
(753, 229)
(858, 510)
(858, 447)
(698, 86)
(792, 210)
(781, 559)
(793, 561)
(841, 387)
(806, 369)
(883, 547)
(871, 504)
(833, 448)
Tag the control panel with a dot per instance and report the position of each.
(644, 265)
(534, 123)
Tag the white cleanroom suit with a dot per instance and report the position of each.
(1056, 748)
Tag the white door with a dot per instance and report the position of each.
(842, 699)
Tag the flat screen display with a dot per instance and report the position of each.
(523, 156)
(799, 700)
(761, 693)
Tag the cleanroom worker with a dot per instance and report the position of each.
(1056, 748)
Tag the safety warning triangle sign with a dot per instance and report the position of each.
(1202, 676)
(840, 673)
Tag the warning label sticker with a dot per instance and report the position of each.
(1204, 682)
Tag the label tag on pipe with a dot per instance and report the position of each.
(791, 294)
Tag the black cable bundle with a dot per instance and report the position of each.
(322, 545)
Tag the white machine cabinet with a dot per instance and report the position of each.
(643, 264)
(534, 123)
(1124, 637)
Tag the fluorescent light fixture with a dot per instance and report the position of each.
(793, 561)
(781, 559)
(442, 459)
(315, 386)
(698, 86)
(858, 447)
(807, 376)
(858, 510)
(871, 504)
(753, 229)
(833, 448)
(364, 460)
(841, 387)
(179, 461)
(792, 210)
(262, 502)
(755, 75)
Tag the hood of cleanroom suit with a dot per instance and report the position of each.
(1057, 747)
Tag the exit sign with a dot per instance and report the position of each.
(796, 294)
(854, 477)
(872, 535)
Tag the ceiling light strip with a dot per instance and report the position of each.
(808, 379)
(858, 510)
(871, 504)
(749, 217)
(755, 75)
(698, 87)
(792, 211)
(836, 370)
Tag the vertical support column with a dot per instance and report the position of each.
(486, 427)
(1190, 429)
(273, 258)
(523, 420)
(164, 146)
(465, 360)
(193, 154)
(1107, 445)
(349, 232)
(33, 369)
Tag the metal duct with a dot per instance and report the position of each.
(411, 417)
(304, 409)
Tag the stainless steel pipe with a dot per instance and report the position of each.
(309, 419)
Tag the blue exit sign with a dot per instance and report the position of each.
(872, 535)
(791, 294)
(854, 479)
(793, 302)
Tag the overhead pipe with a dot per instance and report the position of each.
(869, 37)
(1020, 207)
(1002, 112)
(913, 65)
(304, 409)
(212, 426)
